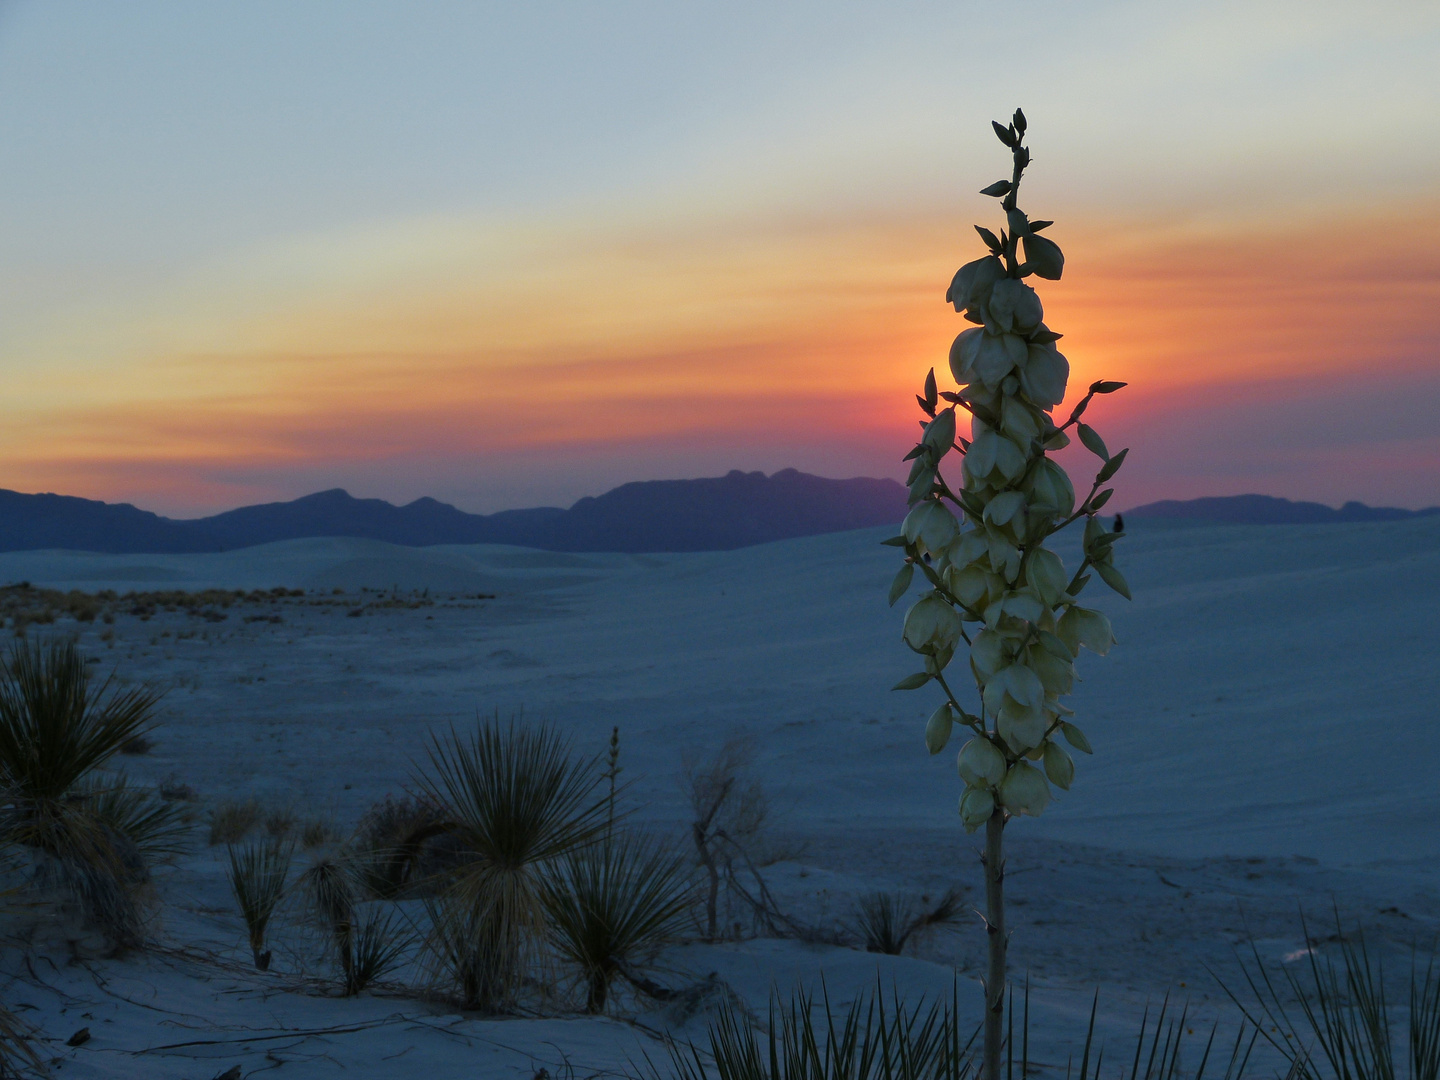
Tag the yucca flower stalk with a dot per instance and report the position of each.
(993, 585)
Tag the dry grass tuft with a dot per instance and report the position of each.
(318, 833)
(232, 820)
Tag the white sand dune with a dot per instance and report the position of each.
(1272, 698)
(1271, 694)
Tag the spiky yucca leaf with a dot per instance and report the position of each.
(257, 877)
(157, 828)
(808, 1040)
(517, 801)
(612, 903)
(1345, 1028)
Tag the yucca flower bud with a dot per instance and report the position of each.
(929, 526)
(937, 728)
(931, 625)
(1059, 766)
(976, 807)
(980, 763)
(1084, 626)
(1024, 791)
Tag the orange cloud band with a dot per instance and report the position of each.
(788, 335)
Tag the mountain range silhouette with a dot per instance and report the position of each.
(710, 514)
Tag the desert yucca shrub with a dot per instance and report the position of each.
(887, 922)
(614, 902)
(517, 801)
(978, 543)
(258, 873)
(1338, 1021)
(95, 836)
(808, 1040)
(366, 944)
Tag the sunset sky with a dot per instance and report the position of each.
(512, 254)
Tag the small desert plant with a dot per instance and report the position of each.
(232, 820)
(1345, 1029)
(57, 727)
(517, 802)
(886, 922)
(808, 1040)
(730, 808)
(404, 846)
(991, 568)
(257, 878)
(612, 903)
(317, 833)
(366, 944)
(380, 944)
(279, 822)
(137, 745)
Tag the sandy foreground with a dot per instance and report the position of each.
(1264, 733)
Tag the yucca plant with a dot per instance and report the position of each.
(258, 872)
(1337, 1024)
(517, 802)
(57, 728)
(887, 922)
(366, 944)
(380, 944)
(808, 1040)
(870, 1042)
(613, 903)
(979, 545)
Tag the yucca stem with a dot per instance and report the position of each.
(995, 931)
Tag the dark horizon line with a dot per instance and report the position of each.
(1155, 503)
